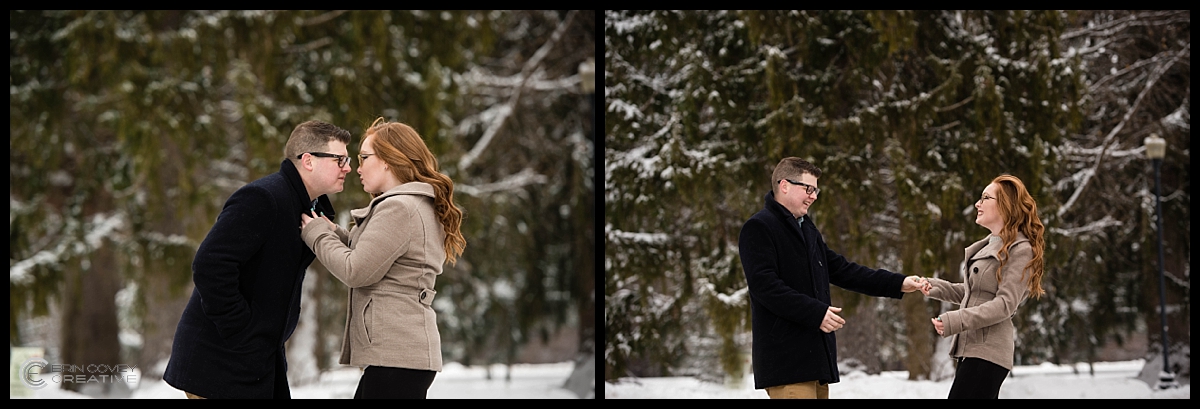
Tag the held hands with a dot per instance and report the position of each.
(914, 283)
(832, 322)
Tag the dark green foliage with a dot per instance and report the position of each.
(150, 119)
(910, 114)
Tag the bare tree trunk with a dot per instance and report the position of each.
(916, 316)
(89, 329)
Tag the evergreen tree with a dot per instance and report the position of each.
(131, 128)
(909, 114)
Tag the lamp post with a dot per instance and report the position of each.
(1156, 148)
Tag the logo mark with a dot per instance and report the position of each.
(31, 373)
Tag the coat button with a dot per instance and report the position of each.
(976, 270)
(423, 295)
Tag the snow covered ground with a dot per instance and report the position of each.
(1113, 380)
(543, 381)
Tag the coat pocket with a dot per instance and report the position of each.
(367, 320)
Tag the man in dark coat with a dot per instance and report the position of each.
(248, 272)
(789, 269)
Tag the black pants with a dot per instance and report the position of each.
(381, 382)
(977, 379)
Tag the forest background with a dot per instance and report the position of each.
(130, 129)
(910, 114)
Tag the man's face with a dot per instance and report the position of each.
(794, 193)
(327, 176)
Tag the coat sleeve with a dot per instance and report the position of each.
(760, 265)
(236, 236)
(854, 277)
(946, 291)
(1011, 291)
(384, 239)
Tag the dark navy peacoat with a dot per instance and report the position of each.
(789, 269)
(246, 303)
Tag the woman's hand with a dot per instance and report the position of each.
(305, 219)
(937, 325)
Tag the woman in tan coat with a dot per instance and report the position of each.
(390, 259)
(1002, 270)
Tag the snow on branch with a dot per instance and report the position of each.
(527, 72)
(737, 298)
(521, 179)
(615, 235)
(1108, 29)
(1088, 229)
(102, 226)
(1108, 139)
(477, 77)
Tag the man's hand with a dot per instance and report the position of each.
(832, 322)
(914, 283)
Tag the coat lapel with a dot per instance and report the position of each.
(981, 249)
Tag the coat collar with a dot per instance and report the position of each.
(410, 188)
(990, 248)
(783, 213)
(292, 176)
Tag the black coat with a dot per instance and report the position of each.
(789, 274)
(248, 273)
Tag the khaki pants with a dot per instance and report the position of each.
(805, 390)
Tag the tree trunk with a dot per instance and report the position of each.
(916, 317)
(90, 348)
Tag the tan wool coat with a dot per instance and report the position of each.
(982, 327)
(389, 259)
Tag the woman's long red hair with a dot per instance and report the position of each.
(1020, 215)
(410, 160)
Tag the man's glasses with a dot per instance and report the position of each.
(342, 160)
(807, 187)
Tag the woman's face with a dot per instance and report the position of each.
(987, 210)
(371, 169)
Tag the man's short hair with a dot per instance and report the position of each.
(313, 136)
(792, 168)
